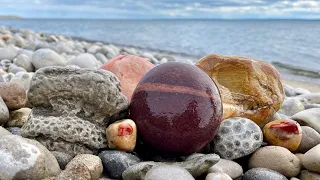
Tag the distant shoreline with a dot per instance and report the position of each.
(10, 17)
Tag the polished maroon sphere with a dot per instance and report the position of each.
(177, 108)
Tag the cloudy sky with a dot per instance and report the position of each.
(162, 9)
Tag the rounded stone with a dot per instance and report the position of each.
(13, 94)
(116, 162)
(4, 112)
(166, 172)
(129, 69)
(92, 162)
(285, 133)
(22, 158)
(310, 138)
(276, 158)
(307, 175)
(237, 137)
(249, 88)
(122, 135)
(62, 158)
(177, 108)
(85, 60)
(291, 106)
(263, 174)
(23, 61)
(46, 57)
(231, 168)
(311, 159)
(218, 176)
(18, 117)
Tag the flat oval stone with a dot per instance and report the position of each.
(284, 132)
(263, 174)
(276, 158)
(237, 137)
(310, 138)
(177, 108)
(166, 172)
(249, 88)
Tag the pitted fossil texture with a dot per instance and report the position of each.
(72, 107)
(237, 137)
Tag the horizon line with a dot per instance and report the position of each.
(230, 19)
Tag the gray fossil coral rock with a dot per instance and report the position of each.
(72, 107)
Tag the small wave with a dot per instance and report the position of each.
(297, 70)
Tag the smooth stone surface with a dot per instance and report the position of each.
(72, 107)
(86, 60)
(116, 162)
(300, 157)
(162, 123)
(8, 52)
(311, 159)
(309, 106)
(285, 133)
(167, 172)
(46, 57)
(22, 158)
(218, 176)
(282, 161)
(4, 132)
(122, 135)
(310, 138)
(129, 69)
(78, 172)
(23, 61)
(13, 94)
(289, 91)
(18, 117)
(313, 98)
(291, 106)
(263, 174)
(23, 78)
(15, 69)
(307, 175)
(231, 168)
(62, 158)
(92, 162)
(4, 112)
(301, 91)
(237, 137)
(249, 88)
(196, 166)
(309, 117)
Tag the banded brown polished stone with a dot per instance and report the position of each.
(249, 88)
(177, 108)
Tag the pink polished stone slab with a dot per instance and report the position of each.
(129, 69)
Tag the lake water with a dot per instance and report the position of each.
(293, 46)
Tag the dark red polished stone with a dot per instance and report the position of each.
(177, 108)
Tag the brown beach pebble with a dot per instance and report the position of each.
(13, 94)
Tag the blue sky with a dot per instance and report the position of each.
(163, 9)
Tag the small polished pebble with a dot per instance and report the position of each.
(115, 162)
(167, 172)
(308, 175)
(311, 159)
(237, 137)
(231, 168)
(310, 138)
(276, 158)
(284, 132)
(263, 174)
(218, 176)
(122, 135)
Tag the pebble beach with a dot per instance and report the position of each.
(83, 110)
